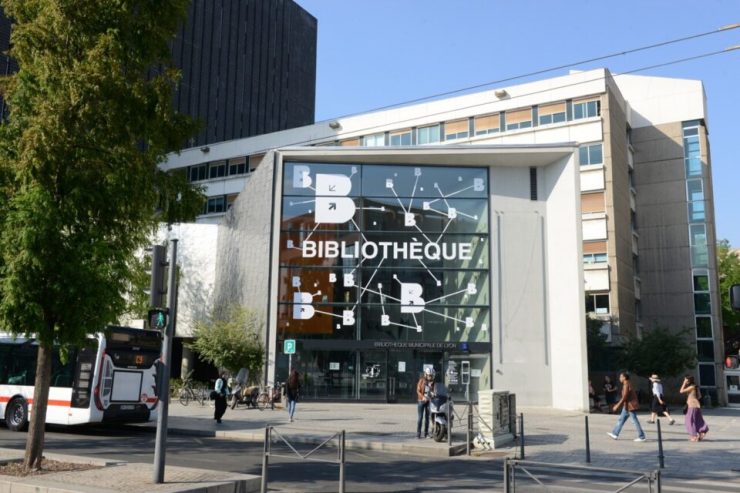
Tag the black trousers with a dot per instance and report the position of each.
(220, 407)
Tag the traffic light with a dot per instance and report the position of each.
(158, 319)
(158, 288)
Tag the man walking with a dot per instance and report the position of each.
(629, 406)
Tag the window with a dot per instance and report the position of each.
(586, 109)
(701, 282)
(703, 327)
(255, 161)
(237, 166)
(591, 154)
(702, 304)
(692, 148)
(706, 375)
(217, 169)
(695, 195)
(597, 303)
(215, 205)
(459, 129)
(198, 173)
(705, 350)
(551, 113)
(698, 245)
(594, 258)
(427, 135)
(401, 138)
(375, 140)
(350, 142)
(489, 124)
(518, 119)
(230, 200)
(592, 202)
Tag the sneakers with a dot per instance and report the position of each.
(651, 422)
(671, 422)
(639, 439)
(612, 435)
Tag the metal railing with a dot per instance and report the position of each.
(267, 453)
(511, 466)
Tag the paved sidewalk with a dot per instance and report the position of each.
(550, 436)
(123, 477)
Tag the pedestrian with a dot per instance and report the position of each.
(629, 405)
(695, 425)
(221, 390)
(424, 391)
(610, 392)
(292, 391)
(658, 405)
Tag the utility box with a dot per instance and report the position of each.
(495, 414)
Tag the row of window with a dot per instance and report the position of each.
(483, 125)
(226, 167)
(219, 203)
(699, 253)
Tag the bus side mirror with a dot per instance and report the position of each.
(735, 297)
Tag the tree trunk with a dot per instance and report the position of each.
(37, 416)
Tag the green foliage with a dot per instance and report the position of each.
(659, 351)
(79, 182)
(728, 267)
(232, 342)
(89, 123)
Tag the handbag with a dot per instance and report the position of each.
(213, 395)
(685, 408)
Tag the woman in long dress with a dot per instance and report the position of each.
(695, 425)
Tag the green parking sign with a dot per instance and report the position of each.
(289, 346)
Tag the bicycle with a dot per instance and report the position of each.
(269, 396)
(201, 395)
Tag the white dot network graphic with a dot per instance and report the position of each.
(332, 205)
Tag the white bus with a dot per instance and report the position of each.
(110, 379)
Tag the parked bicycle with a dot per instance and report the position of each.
(270, 396)
(199, 395)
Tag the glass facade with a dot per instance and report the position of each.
(383, 269)
(699, 252)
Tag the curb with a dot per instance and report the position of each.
(351, 443)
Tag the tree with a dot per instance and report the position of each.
(79, 180)
(658, 351)
(728, 268)
(232, 342)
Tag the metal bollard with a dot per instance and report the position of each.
(449, 423)
(521, 436)
(470, 427)
(588, 444)
(661, 459)
(265, 454)
(341, 462)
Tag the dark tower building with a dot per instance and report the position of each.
(248, 67)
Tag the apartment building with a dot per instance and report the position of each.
(645, 208)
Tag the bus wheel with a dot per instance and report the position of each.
(16, 414)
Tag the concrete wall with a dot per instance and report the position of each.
(243, 257)
(665, 257)
(539, 345)
(617, 198)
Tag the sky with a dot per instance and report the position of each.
(375, 53)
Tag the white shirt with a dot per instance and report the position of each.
(657, 388)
